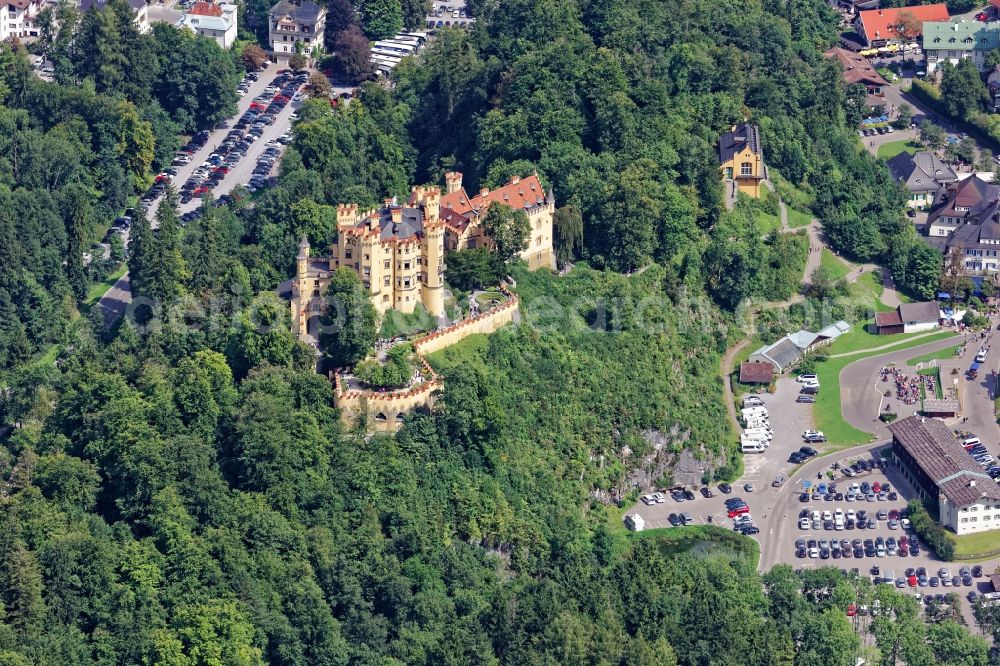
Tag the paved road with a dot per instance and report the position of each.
(860, 394)
(115, 301)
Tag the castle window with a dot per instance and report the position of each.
(406, 265)
(367, 257)
(406, 282)
(386, 281)
(347, 254)
(316, 282)
(420, 261)
(746, 169)
(388, 264)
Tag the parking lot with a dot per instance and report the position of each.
(760, 469)
(786, 532)
(220, 159)
(450, 14)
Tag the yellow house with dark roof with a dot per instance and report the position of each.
(741, 160)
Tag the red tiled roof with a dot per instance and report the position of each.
(995, 3)
(201, 8)
(453, 218)
(857, 69)
(888, 319)
(458, 201)
(877, 23)
(756, 373)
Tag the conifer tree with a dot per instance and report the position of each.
(168, 272)
(141, 250)
(205, 264)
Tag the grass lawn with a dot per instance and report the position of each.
(839, 433)
(789, 193)
(893, 148)
(942, 355)
(796, 218)
(98, 289)
(979, 545)
(767, 223)
(835, 266)
(488, 298)
(858, 339)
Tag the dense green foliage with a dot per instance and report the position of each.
(930, 531)
(183, 492)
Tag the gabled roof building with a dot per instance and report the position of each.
(741, 159)
(877, 26)
(959, 40)
(923, 174)
(934, 462)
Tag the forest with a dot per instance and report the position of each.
(179, 490)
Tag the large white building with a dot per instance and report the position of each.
(294, 22)
(215, 21)
(19, 19)
(939, 468)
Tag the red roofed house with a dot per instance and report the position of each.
(857, 69)
(877, 26)
(201, 8)
(755, 372)
(462, 213)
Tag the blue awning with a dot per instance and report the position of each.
(974, 367)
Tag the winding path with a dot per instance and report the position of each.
(726, 368)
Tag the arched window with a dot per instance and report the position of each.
(380, 417)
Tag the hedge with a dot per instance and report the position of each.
(931, 532)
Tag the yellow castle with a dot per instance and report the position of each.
(398, 250)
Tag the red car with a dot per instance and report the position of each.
(222, 171)
(280, 98)
(198, 192)
(912, 581)
(739, 511)
(982, 16)
(894, 515)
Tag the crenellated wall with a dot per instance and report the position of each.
(383, 411)
(485, 323)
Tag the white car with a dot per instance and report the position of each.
(814, 552)
(807, 378)
(648, 500)
(851, 515)
(905, 523)
(815, 514)
(804, 524)
(838, 514)
(827, 515)
(813, 433)
(660, 499)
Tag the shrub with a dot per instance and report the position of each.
(888, 417)
(930, 531)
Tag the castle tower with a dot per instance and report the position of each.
(432, 249)
(432, 205)
(302, 292)
(452, 182)
(302, 261)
